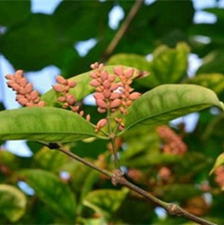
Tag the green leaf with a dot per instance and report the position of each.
(53, 192)
(51, 160)
(219, 161)
(43, 124)
(32, 45)
(105, 202)
(213, 81)
(168, 102)
(12, 202)
(169, 65)
(83, 87)
(19, 8)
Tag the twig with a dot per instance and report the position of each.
(117, 178)
(123, 28)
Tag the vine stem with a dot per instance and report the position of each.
(118, 178)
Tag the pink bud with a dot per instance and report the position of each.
(58, 88)
(93, 75)
(98, 95)
(94, 83)
(70, 99)
(88, 118)
(111, 78)
(61, 99)
(61, 80)
(94, 65)
(18, 75)
(75, 108)
(101, 110)
(104, 75)
(106, 93)
(23, 82)
(34, 94)
(36, 100)
(71, 83)
(115, 103)
(9, 77)
(114, 86)
(30, 104)
(28, 88)
(22, 91)
(101, 103)
(114, 95)
(129, 72)
(22, 101)
(13, 85)
(118, 70)
(81, 113)
(106, 84)
(134, 95)
(41, 104)
(102, 123)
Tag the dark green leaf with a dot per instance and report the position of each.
(167, 102)
(9, 9)
(12, 202)
(43, 124)
(33, 45)
(53, 192)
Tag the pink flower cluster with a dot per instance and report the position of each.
(25, 94)
(219, 176)
(173, 144)
(113, 91)
(164, 173)
(63, 87)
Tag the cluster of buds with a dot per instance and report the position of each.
(136, 175)
(63, 87)
(25, 95)
(113, 91)
(164, 173)
(219, 176)
(172, 143)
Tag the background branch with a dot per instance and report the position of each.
(117, 178)
(120, 33)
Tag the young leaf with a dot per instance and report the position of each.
(219, 161)
(43, 124)
(167, 102)
(12, 202)
(53, 192)
(82, 89)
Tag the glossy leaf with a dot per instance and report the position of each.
(213, 81)
(43, 124)
(219, 161)
(105, 202)
(12, 202)
(19, 8)
(167, 102)
(169, 65)
(83, 88)
(53, 192)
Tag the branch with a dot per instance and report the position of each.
(117, 178)
(120, 33)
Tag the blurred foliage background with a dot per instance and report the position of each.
(50, 188)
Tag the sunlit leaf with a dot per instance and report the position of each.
(105, 202)
(213, 81)
(83, 87)
(167, 102)
(53, 192)
(169, 65)
(219, 161)
(43, 124)
(12, 202)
